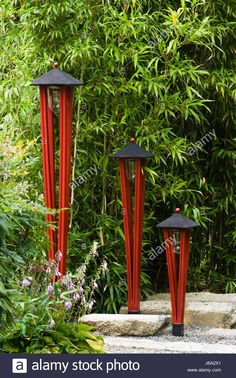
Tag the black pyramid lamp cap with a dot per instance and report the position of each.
(56, 77)
(132, 151)
(178, 221)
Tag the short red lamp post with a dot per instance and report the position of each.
(132, 159)
(56, 84)
(177, 232)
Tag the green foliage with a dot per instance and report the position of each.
(18, 219)
(32, 336)
(164, 69)
(47, 311)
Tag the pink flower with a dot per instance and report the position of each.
(95, 285)
(49, 290)
(26, 282)
(90, 305)
(59, 255)
(83, 300)
(81, 290)
(57, 273)
(64, 281)
(68, 305)
(77, 297)
(95, 245)
(52, 324)
(104, 265)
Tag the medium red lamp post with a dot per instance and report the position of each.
(54, 84)
(177, 232)
(132, 159)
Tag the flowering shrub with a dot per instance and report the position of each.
(49, 307)
(72, 292)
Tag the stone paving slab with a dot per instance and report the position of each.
(126, 325)
(143, 345)
(153, 307)
(203, 296)
(203, 309)
(211, 314)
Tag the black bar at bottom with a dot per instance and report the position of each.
(133, 312)
(177, 329)
(118, 365)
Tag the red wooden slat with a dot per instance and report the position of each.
(174, 263)
(64, 176)
(171, 276)
(51, 154)
(183, 271)
(138, 227)
(127, 217)
(46, 154)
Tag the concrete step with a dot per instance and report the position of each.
(203, 296)
(222, 332)
(145, 345)
(203, 309)
(126, 324)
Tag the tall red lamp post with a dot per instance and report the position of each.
(132, 159)
(56, 84)
(177, 232)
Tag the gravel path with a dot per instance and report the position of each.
(196, 340)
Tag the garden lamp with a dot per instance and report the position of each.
(132, 159)
(53, 85)
(177, 231)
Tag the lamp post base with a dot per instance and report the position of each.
(178, 329)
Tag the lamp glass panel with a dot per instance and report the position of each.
(176, 239)
(53, 96)
(131, 169)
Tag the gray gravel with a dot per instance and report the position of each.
(195, 340)
(197, 334)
